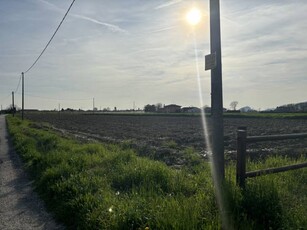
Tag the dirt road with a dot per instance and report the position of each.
(20, 207)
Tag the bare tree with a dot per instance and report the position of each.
(233, 105)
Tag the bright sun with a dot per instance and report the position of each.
(193, 16)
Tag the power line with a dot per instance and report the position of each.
(18, 84)
(56, 99)
(51, 38)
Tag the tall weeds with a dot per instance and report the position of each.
(100, 186)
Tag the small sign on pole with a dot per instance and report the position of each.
(210, 61)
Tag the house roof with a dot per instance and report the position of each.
(172, 105)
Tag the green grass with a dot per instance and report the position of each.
(267, 115)
(290, 188)
(104, 186)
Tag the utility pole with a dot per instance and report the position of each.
(13, 104)
(23, 95)
(93, 104)
(217, 93)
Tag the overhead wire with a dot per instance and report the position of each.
(50, 38)
(57, 99)
(18, 84)
(16, 90)
(9, 94)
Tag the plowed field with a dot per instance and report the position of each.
(166, 137)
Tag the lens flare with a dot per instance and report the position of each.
(218, 189)
(193, 16)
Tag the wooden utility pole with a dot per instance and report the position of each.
(241, 156)
(217, 92)
(23, 95)
(13, 104)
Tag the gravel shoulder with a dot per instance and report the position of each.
(20, 206)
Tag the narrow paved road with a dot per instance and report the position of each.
(20, 207)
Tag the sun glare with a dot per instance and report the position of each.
(193, 16)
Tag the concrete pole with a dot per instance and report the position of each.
(23, 95)
(93, 104)
(13, 104)
(217, 93)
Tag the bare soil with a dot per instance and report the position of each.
(166, 137)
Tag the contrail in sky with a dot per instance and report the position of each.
(167, 4)
(111, 27)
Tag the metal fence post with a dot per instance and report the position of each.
(241, 156)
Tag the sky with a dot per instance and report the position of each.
(129, 53)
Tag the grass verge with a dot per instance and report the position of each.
(100, 186)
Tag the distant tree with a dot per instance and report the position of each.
(106, 109)
(150, 108)
(233, 105)
(158, 106)
(11, 109)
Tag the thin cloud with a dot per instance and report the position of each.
(167, 4)
(50, 5)
(111, 27)
(147, 50)
(163, 29)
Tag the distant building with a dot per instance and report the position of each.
(172, 108)
(286, 108)
(301, 107)
(190, 110)
(247, 109)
